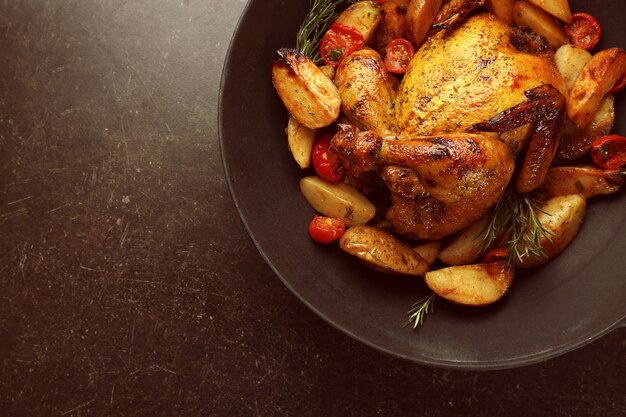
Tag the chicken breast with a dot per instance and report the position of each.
(467, 76)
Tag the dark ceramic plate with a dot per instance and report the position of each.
(573, 300)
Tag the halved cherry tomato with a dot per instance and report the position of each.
(326, 164)
(326, 229)
(609, 152)
(339, 42)
(495, 255)
(398, 54)
(619, 84)
(584, 30)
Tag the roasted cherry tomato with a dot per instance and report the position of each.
(326, 164)
(619, 84)
(398, 54)
(339, 42)
(495, 255)
(609, 152)
(326, 229)
(584, 30)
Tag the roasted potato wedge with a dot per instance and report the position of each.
(587, 181)
(428, 251)
(576, 141)
(557, 8)
(452, 13)
(329, 71)
(541, 22)
(392, 25)
(382, 250)
(503, 9)
(309, 95)
(364, 16)
(595, 80)
(367, 91)
(300, 139)
(570, 60)
(337, 199)
(419, 18)
(472, 285)
(467, 246)
(562, 216)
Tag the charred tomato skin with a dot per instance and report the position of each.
(325, 162)
(339, 42)
(398, 54)
(609, 152)
(326, 229)
(584, 30)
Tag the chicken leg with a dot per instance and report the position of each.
(463, 175)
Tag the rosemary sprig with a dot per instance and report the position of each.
(499, 220)
(526, 238)
(516, 215)
(415, 315)
(314, 26)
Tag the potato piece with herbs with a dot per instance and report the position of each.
(503, 9)
(570, 60)
(428, 251)
(541, 22)
(467, 246)
(419, 18)
(595, 80)
(587, 181)
(337, 199)
(309, 95)
(557, 8)
(364, 16)
(300, 139)
(472, 285)
(562, 217)
(382, 250)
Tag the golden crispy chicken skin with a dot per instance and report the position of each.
(442, 178)
(466, 76)
(367, 91)
(462, 174)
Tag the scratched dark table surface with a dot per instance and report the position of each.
(128, 285)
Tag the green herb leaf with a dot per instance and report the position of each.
(580, 186)
(604, 151)
(335, 54)
(516, 215)
(415, 316)
(314, 27)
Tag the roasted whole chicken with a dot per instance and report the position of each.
(441, 136)
(445, 139)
